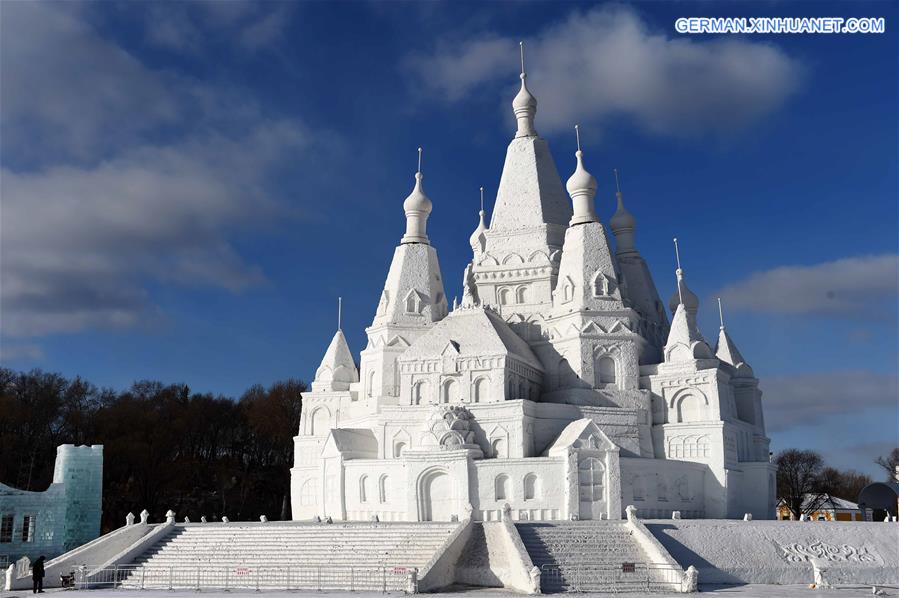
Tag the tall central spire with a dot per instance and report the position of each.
(524, 105)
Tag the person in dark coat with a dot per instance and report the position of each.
(37, 575)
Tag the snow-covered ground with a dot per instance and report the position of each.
(746, 591)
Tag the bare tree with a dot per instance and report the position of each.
(890, 464)
(801, 480)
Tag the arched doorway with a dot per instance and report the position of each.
(436, 496)
(591, 488)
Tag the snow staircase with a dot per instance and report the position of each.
(593, 556)
(292, 555)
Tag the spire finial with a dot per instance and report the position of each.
(521, 47)
(339, 312)
(482, 199)
(419, 161)
(524, 105)
(720, 313)
(617, 182)
(577, 132)
(680, 273)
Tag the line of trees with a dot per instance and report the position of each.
(804, 480)
(165, 447)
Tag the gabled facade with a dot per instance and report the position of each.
(557, 386)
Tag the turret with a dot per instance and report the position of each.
(685, 341)
(337, 370)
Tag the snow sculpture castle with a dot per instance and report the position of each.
(557, 387)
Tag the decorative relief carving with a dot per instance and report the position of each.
(797, 553)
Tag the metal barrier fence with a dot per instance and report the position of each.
(605, 577)
(142, 577)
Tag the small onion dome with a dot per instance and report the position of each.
(476, 237)
(525, 108)
(622, 219)
(417, 200)
(524, 100)
(581, 181)
(691, 301)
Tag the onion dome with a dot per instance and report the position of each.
(685, 295)
(417, 207)
(524, 105)
(581, 187)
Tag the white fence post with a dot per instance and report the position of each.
(171, 572)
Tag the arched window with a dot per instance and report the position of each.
(419, 392)
(499, 448)
(318, 425)
(521, 391)
(363, 488)
(531, 486)
(309, 492)
(398, 448)
(479, 392)
(382, 488)
(602, 285)
(521, 295)
(690, 409)
(450, 391)
(371, 383)
(661, 488)
(504, 295)
(605, 370)
(590, 480)
(503, 487)
(567, 291)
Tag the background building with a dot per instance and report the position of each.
(830, 508)
(61, 518)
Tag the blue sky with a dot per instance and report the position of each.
(188, 187)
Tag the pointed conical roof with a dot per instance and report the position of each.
(685, 341)
(726, 350)
(337, 370)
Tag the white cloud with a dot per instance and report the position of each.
(606, 63)
(117, 177)
(806, 399)
(25, 351)
(67, 93)
(187, 26)
(857, 287)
